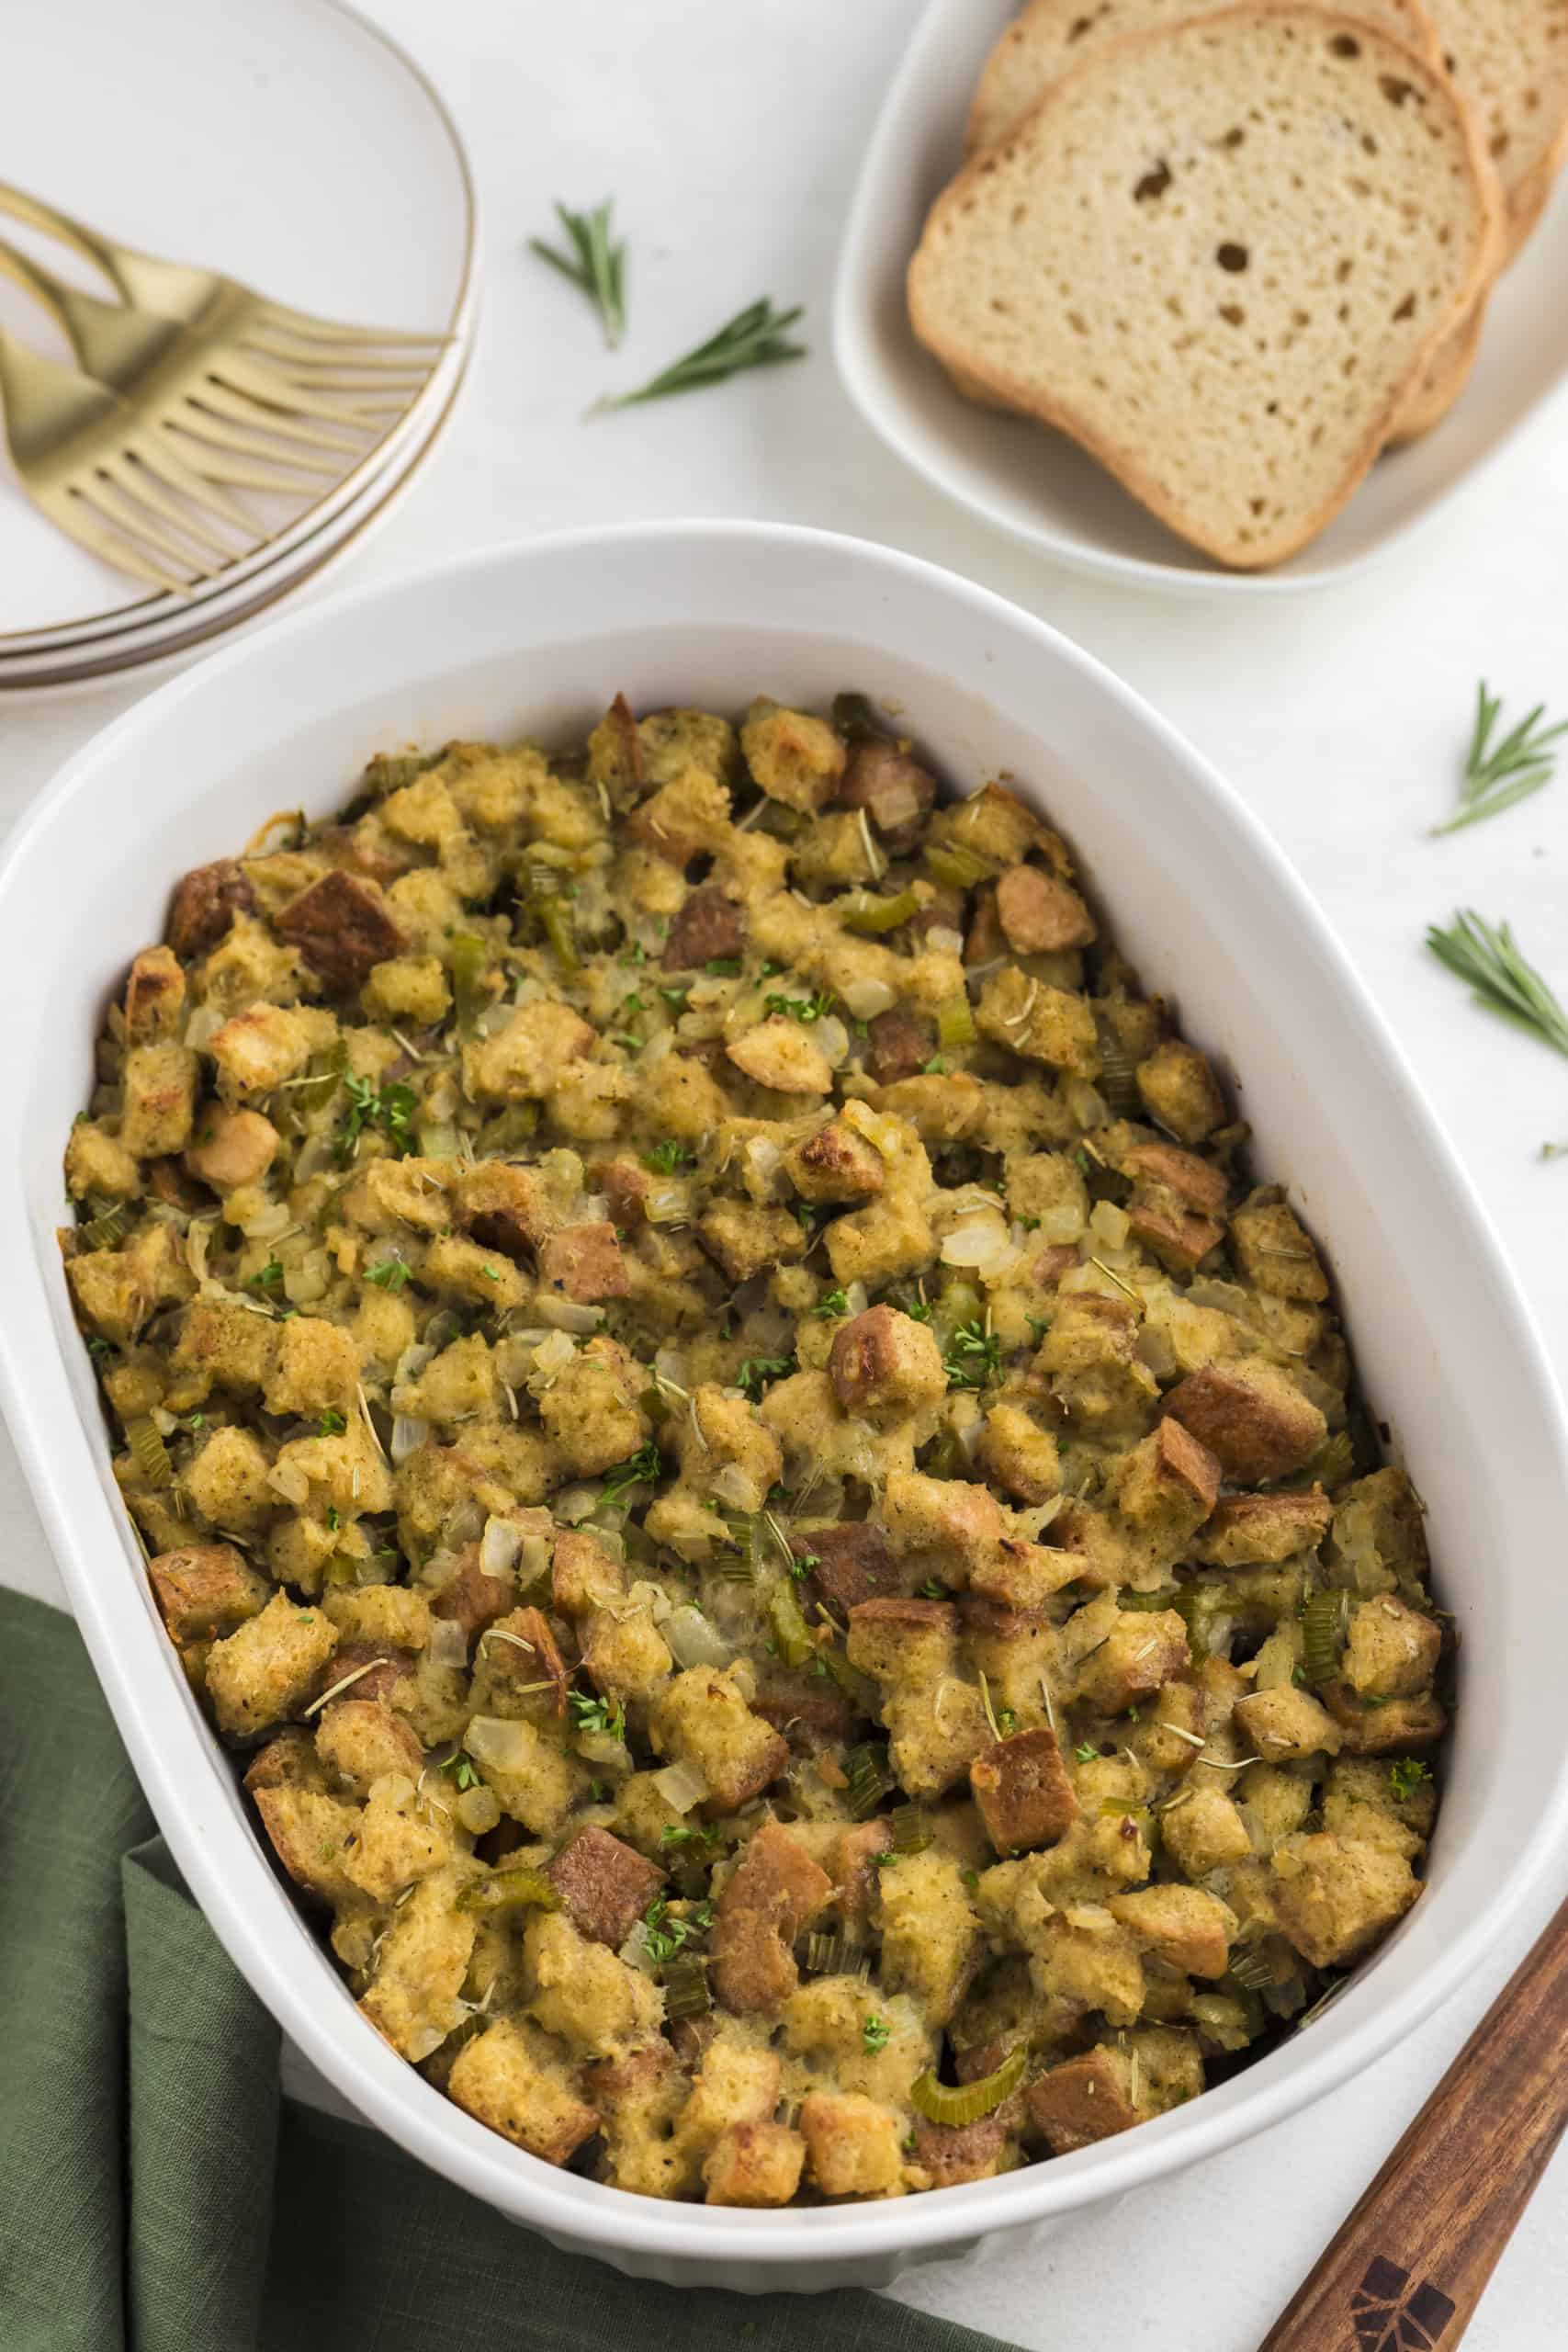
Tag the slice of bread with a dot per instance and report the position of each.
(1220, 256)
(1510, 60)
(1050, 36)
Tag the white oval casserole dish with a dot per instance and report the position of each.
(535, 640)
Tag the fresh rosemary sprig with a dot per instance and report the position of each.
(1501, 976)
(1497, 776)
(752, 339)
(594, 263)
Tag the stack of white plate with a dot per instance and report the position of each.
(293, 147)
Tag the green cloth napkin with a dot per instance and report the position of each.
(158, 2194)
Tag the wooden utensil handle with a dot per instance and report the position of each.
(1405, 2272)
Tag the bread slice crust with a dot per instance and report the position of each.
(1318, 62)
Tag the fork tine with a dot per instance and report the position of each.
(138, 523)
(167, 455)
(162, 456)
(345, 362)
(337, 331)
(137, 481)
(244, 375)
(73, 514)
(225, 403)
(202, 424)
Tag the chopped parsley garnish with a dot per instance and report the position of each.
(933, 1589)
(640, 1469)
(875, 2032)
(633, 954)
(590, 1713)
(829, 1309)
(723, 967)
(801, 1008)
(973, 1357)
(1007, 1722)
(1407, 1775)
(390, 1108)
(269, 1279)
(801, 1569)
(666, 1157)
(697, 1839)
(665, 1932)
(1087, 1753)
(334, 1519)
(331, 1424)
(459, 1770)
(936, 1067)
(757, 1369)
(675, 995)
(389, 1274)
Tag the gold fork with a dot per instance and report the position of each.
(239, 366)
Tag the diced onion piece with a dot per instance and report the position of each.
(603, 1748)
(198, 1237)
(857, 1298)
(1110, 1225)
(884, 1135)
(498, 1546)
(866, 999)
(496, 1740)
(574, 1504)
(517, 1888)
(671, 1205)
(834, 1040)
(438, 1140)
(408, 1436)
(940, 941)
(290, 1480)
(983, 1242)
(448, 1642)
(553, 1353)
(962, 2103)
(681, 1786)
(568, 1315)
(1061, 1223)
(477, 1810)
(1084, 1107)
(764, 1161)
(268, 1222)
(634, 1950)
(203, 1026)
(734, 1486)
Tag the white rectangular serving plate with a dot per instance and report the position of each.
(1039, 486)
(534, 640)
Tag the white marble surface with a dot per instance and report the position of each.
(730, 138)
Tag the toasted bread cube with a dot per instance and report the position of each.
(780, 1054)
(154, 997)
(1082, 2100)
(1019, 1456)
(1041, 1022)
(946, 1521)
(315, 1369)
(590, 1410)
(229, 1481)
(518, 2081)
(312, 1834)
(598, 2003)
(256, 1050)
(1181, 1091)
(1023, 1791)
(754, 2164)
(361, 1741)
(885, 1365)
(205, 903)
(1390, 1650)
(525, 1060)
(794, 758)
(230, 1148)
(269, 1666)
(1243, 1531)
(775, 1891)
(159, 1100)
(836, 1164)
(1335, 1896)
(1253, 1419)
(1286, 1724)
(397, 1842)
(746, 1240)
(1039, 914)
(703, 1720)
(1141, 1650)
(1370, 1728)
(415, 1995)
(1184, 1926)
(930, 1934)
(1274, 1251)
(1203, 1830)
(584, 1263)
(709, 928)
(604, 1886)
(1168, 1482)
(343, 927)
(205, 1591)
(853, 2144)
(97, 1162)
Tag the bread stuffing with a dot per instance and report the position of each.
(781, 1533)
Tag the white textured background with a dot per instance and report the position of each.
(731, 136)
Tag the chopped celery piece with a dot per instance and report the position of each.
(961, 2103)
(510, 1890)
(955, 1023)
